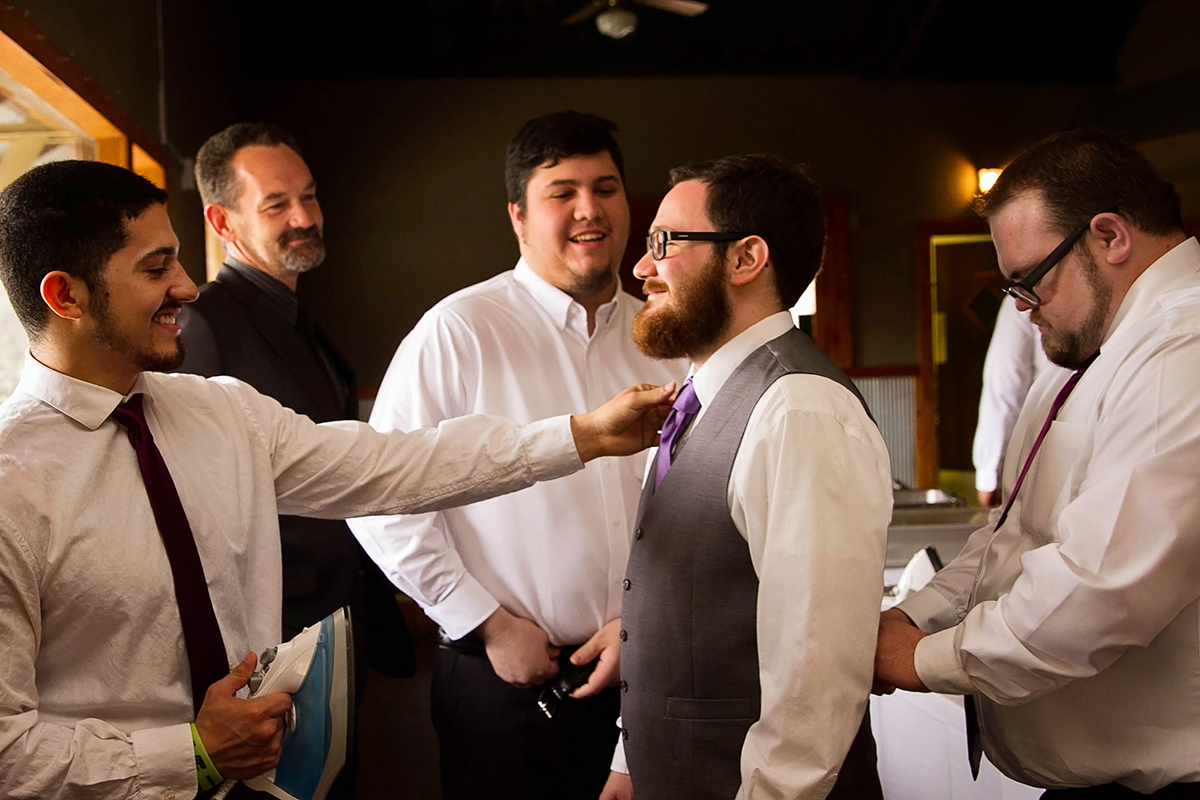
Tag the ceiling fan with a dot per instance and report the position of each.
(614, 17)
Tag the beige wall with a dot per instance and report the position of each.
(410, 175)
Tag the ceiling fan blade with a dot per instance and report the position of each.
(688, 8)
(587, 12)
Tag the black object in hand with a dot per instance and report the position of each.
(570, 677)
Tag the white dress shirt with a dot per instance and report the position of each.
(1015, 360)
(516, 346)
(810, 491)
(1078, 620)
(95, 697)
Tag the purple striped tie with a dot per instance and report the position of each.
(201, 634)
(683, 410)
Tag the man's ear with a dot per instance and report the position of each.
(517, 217)
(219, 218)
(65, 295)
(749, 258)
(1115, 235)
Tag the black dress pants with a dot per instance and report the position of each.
(497, 744)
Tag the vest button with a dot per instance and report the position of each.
(624, 635)
(627, 584)
(637, 534)
(624, 686)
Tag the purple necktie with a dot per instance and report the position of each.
(683, 410)
(201, 634)
(974, 746)
(1063, 393)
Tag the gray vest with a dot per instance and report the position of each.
(690, 653)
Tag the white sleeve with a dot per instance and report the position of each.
(1008, 372)
(811, 492)
(424, 385)
(1121, 562)
(90, 760)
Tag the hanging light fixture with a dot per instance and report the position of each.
(616, 22)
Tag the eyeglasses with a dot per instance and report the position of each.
(1023, 289)
(656, 242)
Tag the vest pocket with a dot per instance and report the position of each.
(740, 708)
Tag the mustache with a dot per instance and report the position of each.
(291, 235)
(653, 286)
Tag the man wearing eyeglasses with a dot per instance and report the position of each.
(517, 586)
(754, 579)
(1071, 620)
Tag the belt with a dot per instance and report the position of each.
(472, 645)
(1115, 791)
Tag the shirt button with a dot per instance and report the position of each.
(624, 635)
(627, 584)
(624, 686)
(637, 534)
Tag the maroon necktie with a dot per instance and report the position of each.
(683, 410)
(201, 634)
(974, 746)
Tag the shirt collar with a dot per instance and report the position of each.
(1177, 264)
(86, 403)
(557, 303)
(283, 298)
(709, 379)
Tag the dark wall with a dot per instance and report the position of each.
(410, 175)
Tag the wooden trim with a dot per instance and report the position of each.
(927, 449)
(885, 371)
(833, 324)
(57, 74)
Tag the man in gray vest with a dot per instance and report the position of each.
(755, 575)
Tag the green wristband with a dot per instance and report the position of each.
(206, 773)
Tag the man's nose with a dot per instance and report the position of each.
(646, 267)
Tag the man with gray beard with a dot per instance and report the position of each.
(261, 199)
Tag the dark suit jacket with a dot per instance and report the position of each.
(235, 329)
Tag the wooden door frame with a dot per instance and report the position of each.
(927, 450)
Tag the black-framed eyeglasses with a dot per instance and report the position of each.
(656, 242)
(1023, 289)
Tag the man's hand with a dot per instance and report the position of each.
(243, 737)
(519, 650)
(617, 787)
(894, 654)
(626, 424)
(987, 499)
(605, 643)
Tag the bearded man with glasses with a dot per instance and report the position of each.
(1070, 621)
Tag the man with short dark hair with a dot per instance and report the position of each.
(517, 585)
(754, 579)
(261, 199)
(1071, 620)
(139, 543)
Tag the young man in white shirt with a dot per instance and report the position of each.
(1071, 619)
(106, 691)
(517, 583)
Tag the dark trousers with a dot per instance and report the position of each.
(497, 744)
(1115, 791)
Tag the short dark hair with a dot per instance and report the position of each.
(213, 175)
(551, 138)
(772, 198)
(1081, 173)
(70, 216)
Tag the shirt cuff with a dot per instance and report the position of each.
(925, 608)
(551, 448)
(937, 664)
(986, 480)
(464, 609)
(166, 761)
(618, 762)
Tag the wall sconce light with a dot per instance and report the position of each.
(987, 178)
